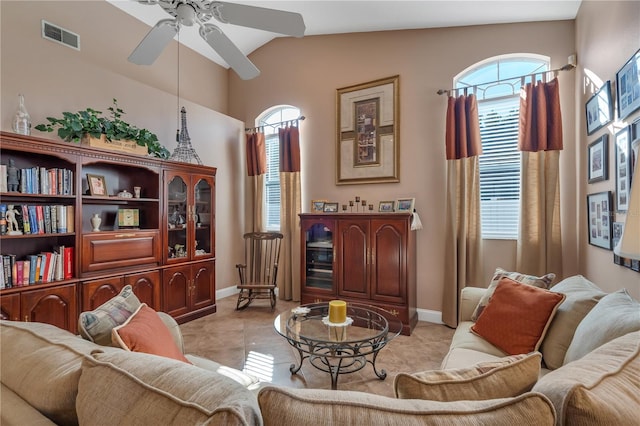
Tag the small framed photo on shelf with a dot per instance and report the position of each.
(617, 234)
(599, 216)
(623, 169)
(317, 206)
(405, 205)
(628, 86)
(128, 218)
(386, 206)
(330, 207)
(599, 109)
(97, 185)
(598, 161)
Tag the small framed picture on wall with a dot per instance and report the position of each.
(598, 161)
(623, 169)
(599, 216)
(599, 109)
(628, 86)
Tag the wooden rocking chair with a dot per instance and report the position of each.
(259, 272)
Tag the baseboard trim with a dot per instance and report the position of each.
(429, 316)
(226, 292)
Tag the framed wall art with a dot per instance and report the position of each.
(598, 161)
(623, 169)
(628, 86)
(97, 185)
(599, 109)
(617, 234)
(599, 216)
(368, 133)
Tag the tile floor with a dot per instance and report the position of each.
(247, 340)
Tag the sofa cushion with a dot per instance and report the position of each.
(581, 296)
(96, 325)
(145, 332)
(463, 357)
(541, 282)
(49, 366)
(517, 316)
(247, 380)
(137, 388)
(15, 411)
(284, 406)
(464, 338)
(615, 315)
(507, 377)
(602, 388)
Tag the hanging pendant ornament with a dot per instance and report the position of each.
(22, 120)
(184, 152)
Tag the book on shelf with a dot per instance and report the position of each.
(3, 283)
(19, 273)
(40, 218)
(61, 218)
(33, 262)
(47, 218)
(25, 272)
(71, 224)
(54, 219)
(47, 266)
(8, 261)
(3, 178)
(68, 263)
(26, 225)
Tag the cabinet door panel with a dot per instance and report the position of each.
(203, 293)
(318, 263)
(57, 306)
(10, 307)
(175, 290)
(146, 287)
(97, 292)
(353, 254)
(389, 259)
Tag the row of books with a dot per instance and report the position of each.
(40, 268)
(40, 180)
(40, 219)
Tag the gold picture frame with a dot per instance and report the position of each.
(317, 206)
(97, 185)
(368, 142)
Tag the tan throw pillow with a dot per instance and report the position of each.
(581, 296)
(286, 406)
(96, 325)
(145, 332)
(517, 316)
(541, 282)
(601, 388)
(615, 315)
(130, 388)
(505, 378)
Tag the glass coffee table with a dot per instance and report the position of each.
(338, 349)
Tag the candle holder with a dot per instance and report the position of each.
(344, 207)
(351, 205)
(370, 207)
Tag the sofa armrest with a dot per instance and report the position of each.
(174, 329)
(469, 299)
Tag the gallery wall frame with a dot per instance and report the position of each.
(623, 169)
(598, 159)
(367, 134)
(599, 109)
(599, 219)
(628, 86)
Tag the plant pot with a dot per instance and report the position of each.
(128, 146)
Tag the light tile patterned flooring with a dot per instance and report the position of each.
(247, 340)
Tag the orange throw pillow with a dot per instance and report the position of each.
(517, 316)
(145, 332)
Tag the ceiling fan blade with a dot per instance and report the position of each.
(229, 52)
(277, 21)
(154, 42)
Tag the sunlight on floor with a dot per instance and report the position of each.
(259, 365)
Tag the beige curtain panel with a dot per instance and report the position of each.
(539, 248)
(463, 247)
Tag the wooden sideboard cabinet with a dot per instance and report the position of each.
(171, 225)
(363, 258)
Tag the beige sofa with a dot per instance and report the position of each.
(50, 376)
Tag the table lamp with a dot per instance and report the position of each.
(629, 244)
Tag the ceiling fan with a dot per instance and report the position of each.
(189, 12)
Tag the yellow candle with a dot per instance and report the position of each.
(337, 311)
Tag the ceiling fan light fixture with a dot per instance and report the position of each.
(186, 14)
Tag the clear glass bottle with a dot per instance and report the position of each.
(22, 119)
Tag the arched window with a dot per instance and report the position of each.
(496, 83)
(271, 120)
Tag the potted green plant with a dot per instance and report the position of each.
(74, 126)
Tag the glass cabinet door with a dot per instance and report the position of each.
(319, 257)
(177, 215)
(202, 217)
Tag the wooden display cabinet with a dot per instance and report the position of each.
(146, 287)
(189, 290)
(364, 258)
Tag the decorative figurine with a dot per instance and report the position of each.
(12, 223)
(12, 176)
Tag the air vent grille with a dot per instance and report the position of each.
(60, 35)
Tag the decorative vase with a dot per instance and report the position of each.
(96, 220)
(22, 120)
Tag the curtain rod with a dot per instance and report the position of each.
(302, 117)
(567, 67)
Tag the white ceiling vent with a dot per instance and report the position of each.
(60, 35)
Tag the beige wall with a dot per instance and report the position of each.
(607, 35)
(55, 78)
(306, 73)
